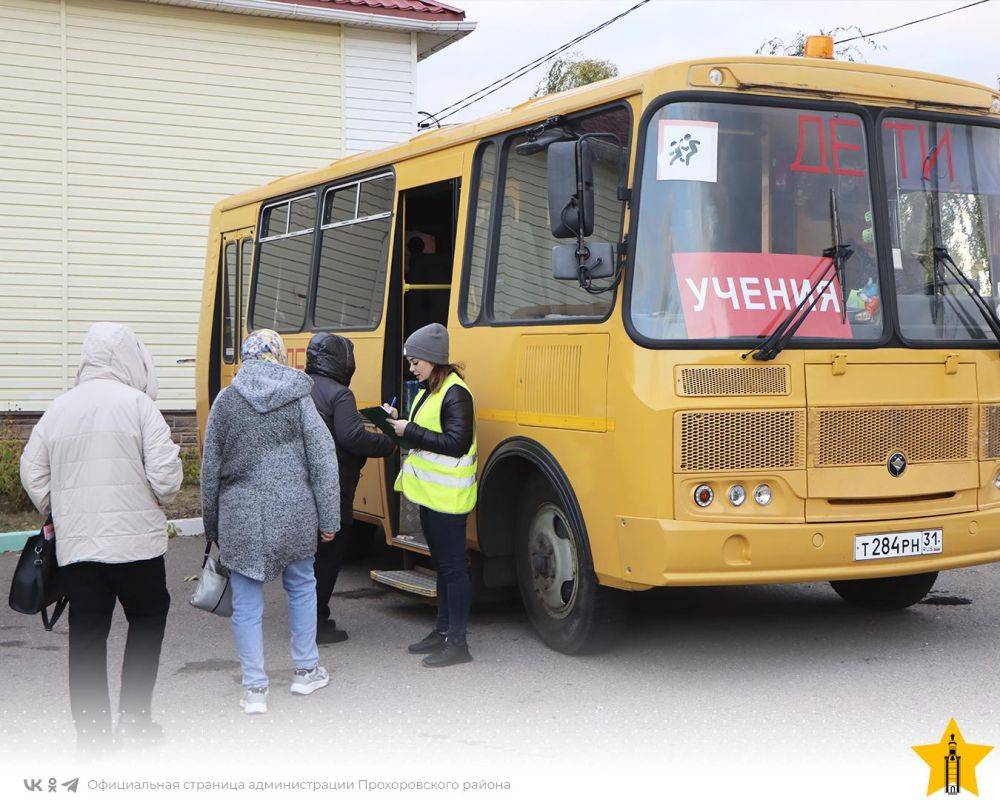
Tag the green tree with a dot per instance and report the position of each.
(572, 71)
(797, 46)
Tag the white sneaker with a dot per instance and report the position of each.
(254, 700)
(307, 681)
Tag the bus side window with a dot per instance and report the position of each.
(479, 222)
(285, 264)
(354, 250)
(524, 288)
(230, 294)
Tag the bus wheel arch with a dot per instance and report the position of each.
(509, 467)
(532, 531)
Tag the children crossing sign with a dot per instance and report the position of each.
(687, 150)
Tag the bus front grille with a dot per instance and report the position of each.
(740, 381)
(867, 436)
(989, 423)
(718, 441)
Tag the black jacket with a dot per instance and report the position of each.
(330, 362)
(458, 419)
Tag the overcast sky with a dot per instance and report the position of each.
(513, 32)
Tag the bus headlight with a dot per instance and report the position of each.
(996, 480)
(703, 495)
(762, 494)
(737, 494)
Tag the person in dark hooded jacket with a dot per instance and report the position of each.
(330, 363)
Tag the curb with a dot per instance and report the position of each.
(192, 526)
(13, 542)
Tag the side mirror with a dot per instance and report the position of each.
(599, 262)
(571, 189)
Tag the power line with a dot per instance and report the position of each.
(500, 83)
(522, 70)
(911, 22)
(510, 77)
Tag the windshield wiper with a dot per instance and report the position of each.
(838, 255)
(942, 256)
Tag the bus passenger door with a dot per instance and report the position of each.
(420, 291)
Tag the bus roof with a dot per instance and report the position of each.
(755, 75)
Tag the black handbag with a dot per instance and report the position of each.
(36, 584)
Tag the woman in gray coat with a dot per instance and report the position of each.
(268, 484)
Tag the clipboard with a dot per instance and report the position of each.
(379, 417)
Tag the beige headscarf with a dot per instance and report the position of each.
(264, 345)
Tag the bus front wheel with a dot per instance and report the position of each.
(886, 594)
(555, 574)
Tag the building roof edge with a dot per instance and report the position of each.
(432, 34)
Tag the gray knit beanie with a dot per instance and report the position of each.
(429, 343)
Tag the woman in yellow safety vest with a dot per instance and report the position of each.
(439, 475)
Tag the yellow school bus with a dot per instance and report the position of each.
(728, 321)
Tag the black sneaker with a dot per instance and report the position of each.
(448, 655)
(431, 643)
(329, 633)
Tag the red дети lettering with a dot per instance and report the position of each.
(797, 165)
(901, 128)
(928, 160)
(822, 167)
(836, 146)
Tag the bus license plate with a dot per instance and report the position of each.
(897, 545)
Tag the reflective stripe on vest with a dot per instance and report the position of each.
(445, 461)
(442, 480)
(439, 482)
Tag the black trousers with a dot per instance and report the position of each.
(92, 589)
(329, 560)
(445, 535)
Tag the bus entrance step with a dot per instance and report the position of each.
(413, 541)
(415, 581)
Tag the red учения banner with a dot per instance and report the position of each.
(748, 294)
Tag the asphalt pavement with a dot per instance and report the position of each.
(720, 682)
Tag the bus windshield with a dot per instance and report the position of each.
(943, 186)
(735, 216)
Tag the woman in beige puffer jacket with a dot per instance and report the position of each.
(102, 461)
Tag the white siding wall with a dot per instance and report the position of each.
(32, 368)
(381, 88)
(123, 123)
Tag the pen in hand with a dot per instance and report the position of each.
(390, 408)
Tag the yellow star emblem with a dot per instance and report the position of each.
(952, 761)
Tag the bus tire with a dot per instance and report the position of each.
(886, 594)
(571, 612)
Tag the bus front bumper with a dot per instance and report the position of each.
(667, 552)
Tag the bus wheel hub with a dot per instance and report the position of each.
(554, 562)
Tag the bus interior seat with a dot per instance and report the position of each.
(425, 263)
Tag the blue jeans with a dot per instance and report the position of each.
(248, 620)
(445, 535)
